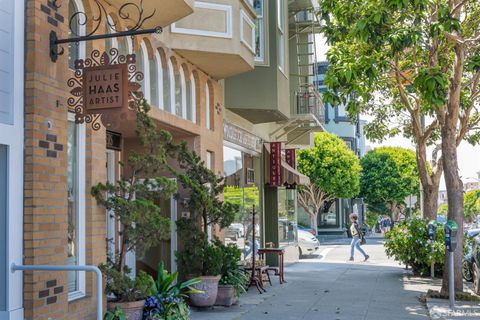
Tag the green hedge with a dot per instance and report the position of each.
(408, 243)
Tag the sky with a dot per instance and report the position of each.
(468, 155)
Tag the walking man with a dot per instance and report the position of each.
(357, 238)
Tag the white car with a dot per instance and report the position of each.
(307, 243)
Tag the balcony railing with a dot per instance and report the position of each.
(310, 102)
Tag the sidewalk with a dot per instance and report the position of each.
(328, 287)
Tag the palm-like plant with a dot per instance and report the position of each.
(168, 298)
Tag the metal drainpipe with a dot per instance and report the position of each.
(94, 269)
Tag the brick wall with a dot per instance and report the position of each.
(46, 180)
(46, 184)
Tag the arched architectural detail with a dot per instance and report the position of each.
(76, 50)
(166, 82)
(209, 103)
(175, 86)
(197, 88)
(183, 93)
(189, 93)
(158, 82)
(143, 66)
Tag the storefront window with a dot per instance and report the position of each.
(242, 174)
(76, 207)
(329, 218)
(287, 217)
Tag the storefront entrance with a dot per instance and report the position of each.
(242, 187)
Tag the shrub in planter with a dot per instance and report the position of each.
(168, 299)
(198, 258)
(408, 243)
(233, 280)
(116, 314)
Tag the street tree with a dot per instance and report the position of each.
(471, 205)
(417, 61)
(334, 172)
(389, 175)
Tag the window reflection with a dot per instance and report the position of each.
(287, 217)
(242, 174)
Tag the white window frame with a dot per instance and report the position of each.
(82, 31)
(146, 72)
(281, 53)
(208, 117)
(262, 22)
(158, 61)
(217, 34)
(81, 223)
(193, 99)
(244, 18)
(183, 88)
(110, 31)
(171, 76)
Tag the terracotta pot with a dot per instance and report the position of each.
(226, 296)
(209, 286)
(133, 310)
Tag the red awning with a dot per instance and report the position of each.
(291, 176)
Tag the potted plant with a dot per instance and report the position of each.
(115, 314)
(199, 258)
(168, 298)
(233, 279)
(133, 201)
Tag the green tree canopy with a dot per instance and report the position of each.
(389, 175)
(331, 165)
(416, 65)
(471, 204)
(334, 172)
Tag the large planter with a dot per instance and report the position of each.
(225, 296)
(209, 288)
(133, 310)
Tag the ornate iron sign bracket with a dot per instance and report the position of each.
(82, 19)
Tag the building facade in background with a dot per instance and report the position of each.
(334, 218)
(277, 102)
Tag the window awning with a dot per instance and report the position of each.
(290, 176)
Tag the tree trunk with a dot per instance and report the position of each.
(314, 222)
(430, 200)
(450, 165)
(430, 181)
(455, 202)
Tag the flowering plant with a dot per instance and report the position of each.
(168, 299)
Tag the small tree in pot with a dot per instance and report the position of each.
(133, 201)
(233, 279)
(198, 257)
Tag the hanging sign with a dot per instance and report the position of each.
(106, 89)
(290, 158)
(275, 164)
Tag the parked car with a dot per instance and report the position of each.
(240, 228)
(233, 233)
(306, 229)
(467, 268)
(476, 264)
(307, 243)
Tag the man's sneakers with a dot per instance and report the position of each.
(351, 259)
(366, 257)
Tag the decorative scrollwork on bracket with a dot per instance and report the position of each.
(76, 101)
(139, 17)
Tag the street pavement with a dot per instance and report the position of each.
(326, 286)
